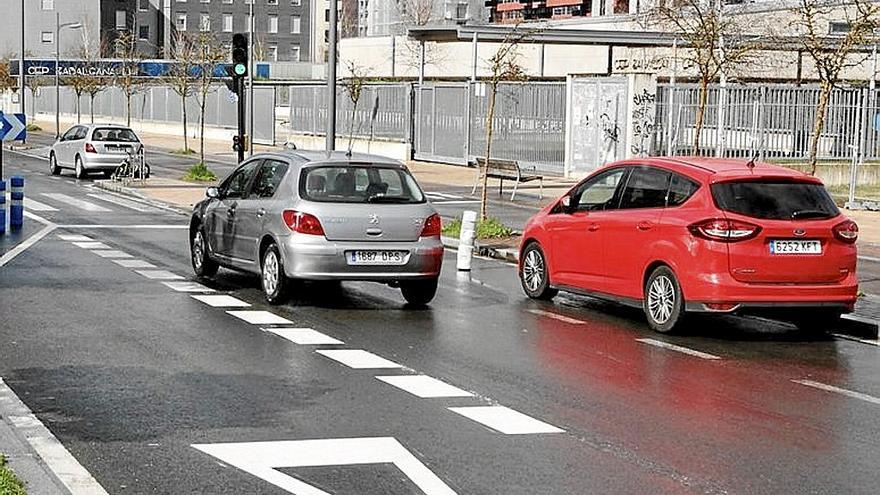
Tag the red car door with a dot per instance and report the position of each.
(631, 230)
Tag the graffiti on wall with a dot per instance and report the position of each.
(644, 113)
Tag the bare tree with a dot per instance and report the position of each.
(832, 56)
(181, 77)
(713, 42)
(417, 13)
(33, 84)
(354, 86)
(79, 82)
(95, 87)
(129, 67)
(503, 66)
(7, 81)
(208, 55)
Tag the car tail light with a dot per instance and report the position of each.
(846, 231)
(302, 222)
(432, 226)
(90, 148)
(724, 230)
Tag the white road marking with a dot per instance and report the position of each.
(841, 391)
(856, 339)
(38, 218)
(260, 317)
(126, 203)
(457, 202)
(135, 264)
(442, 195)
(265, 460)
(424, 386)
(68, 470)
(505, 420)
(79, 203)
(113, 254)
(159, 274)
(91, 245)
(222, 301)
(303, 336)
(555, 316)
(678, 348)
(123, 227)
(74, 237)
(32, 204)
(869, 258)
(187, 286)
(30, 241)
(357, 358)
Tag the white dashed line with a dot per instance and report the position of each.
(678, 348)
(91, 245)
(222, 301)
(358, 359)
(113, 254)
(555, 316)
(83, 205)
(260, 317)
(74, 237)
(841, 391)
(505, 420)
(158, 274)
(126, 203)
(303, 336)
(32, 204)
(424, 386)
(186, 286)
(874, 342)
(134, 264)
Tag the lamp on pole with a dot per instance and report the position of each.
(58, 27)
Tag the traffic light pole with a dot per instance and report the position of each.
(239, 86)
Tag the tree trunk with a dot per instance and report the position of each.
(78, 113)
(701, 111)
(484, 170)
(92, 108)
(185, 133)
(202, 128)
(819, 123)
(351, 124)
(127, 109)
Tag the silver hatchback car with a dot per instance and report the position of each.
(320, 216)
(93, 148)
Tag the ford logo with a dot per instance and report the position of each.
(800, 232)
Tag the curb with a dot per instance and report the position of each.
(509, 255)
(860, 326)
(133, 193)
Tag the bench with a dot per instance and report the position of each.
(506, 170)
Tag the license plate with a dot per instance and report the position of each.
(795, 247)
(376, 257)
(117, 149)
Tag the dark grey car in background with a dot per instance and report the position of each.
(320, 216)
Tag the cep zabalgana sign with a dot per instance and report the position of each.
(264, 459)
(112, 68)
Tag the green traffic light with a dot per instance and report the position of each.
(240, 69)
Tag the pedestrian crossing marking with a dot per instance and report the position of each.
(125, 203)
(79, 203)
(32, 204)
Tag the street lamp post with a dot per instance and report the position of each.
(58, 26)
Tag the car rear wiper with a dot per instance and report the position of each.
(381, 198)
(809, 214)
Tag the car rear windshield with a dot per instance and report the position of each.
(359, 184)
(110, 134)
(776, 200)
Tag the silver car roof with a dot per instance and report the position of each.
(312, 156)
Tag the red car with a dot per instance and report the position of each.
(681, 235)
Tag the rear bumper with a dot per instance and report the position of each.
(102, 161)
(316, 258)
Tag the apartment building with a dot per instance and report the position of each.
(143, 18)
(40, 19)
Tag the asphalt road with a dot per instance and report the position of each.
(141, 382)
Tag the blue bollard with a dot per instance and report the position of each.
(2, 207)
(16, 203)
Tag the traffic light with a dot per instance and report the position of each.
(236, 143)
(239, 54)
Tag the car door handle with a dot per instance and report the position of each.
(593, 227)
(643, 226)
(261, 212)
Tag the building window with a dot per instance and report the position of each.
(295, 3)
(181, 22)
(121, 19)
(271, 2)
(204, 23)
(273, 53)
(143, 32)
(273, 24)
(47, 5)
(294, 54)
(227, 1)
(205, 1)
(47, 37)
(227, 23)
(143, 5)
(295, 25)
(838, 28)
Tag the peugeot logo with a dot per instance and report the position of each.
(374, 219)
(800, 232)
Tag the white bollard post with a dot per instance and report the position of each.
(466, 240)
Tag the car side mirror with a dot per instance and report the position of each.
(565, 202)
(212, 192)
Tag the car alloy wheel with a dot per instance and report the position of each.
(198, 251)
(661, 299)
(275, 283)
(664, 302)
(78, 168)
(202, 264)
(533, 270)
(270, 273)
(53, 165)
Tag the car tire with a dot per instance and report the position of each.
(663, 302)
(817, 322)
(203, 265)
(419, 292)
(272, 278)
(54, 169)
(78, 169)
(534, 274)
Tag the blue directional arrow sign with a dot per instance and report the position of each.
(13, 126)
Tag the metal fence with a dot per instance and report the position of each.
(767, 121)
(161, 105)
